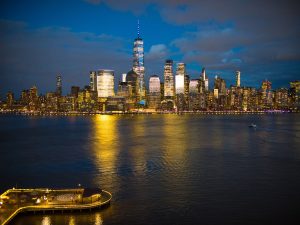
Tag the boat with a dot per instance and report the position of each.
(252, 125)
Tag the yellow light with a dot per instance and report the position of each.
(105, 143)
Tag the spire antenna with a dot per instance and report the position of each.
(138, 28)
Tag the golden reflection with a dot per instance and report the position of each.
(72, 220)
(98, 219)
(175, 150)
(175, 137)
(46, 220)
(137, 151)
(105, 144)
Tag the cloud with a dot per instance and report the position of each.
(228, 35)
(36, 55)
(158, 51)
(155, 59)
(136, 7)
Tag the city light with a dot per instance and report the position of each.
(181, 94)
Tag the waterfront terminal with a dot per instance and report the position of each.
(15, 201)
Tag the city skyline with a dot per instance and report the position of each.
(34, 51)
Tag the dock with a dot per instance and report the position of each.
(15, 201)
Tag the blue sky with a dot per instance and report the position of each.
(40, 39)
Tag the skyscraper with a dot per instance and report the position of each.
(238, 78)
(220, 85)
(138, 64)
(266, 94)
(9, 99)
(93, 80)
(169, 79)
(124, 77)
(154, 84)
(154, 92)
(194, 86)
(105, 83)
(204, 79)
(179, 78)
(58, 85)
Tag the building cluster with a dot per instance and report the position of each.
(176, 93)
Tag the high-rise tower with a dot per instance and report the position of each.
(180, 78)
(58, 85)
(138, 63)
(169, 79)
(154, 92)
(105, 83)
(204, 79)
(93, 80)
(238, 78)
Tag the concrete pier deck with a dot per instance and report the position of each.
(15, 201)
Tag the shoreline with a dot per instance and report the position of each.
(75, 113)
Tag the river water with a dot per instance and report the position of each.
(161, 169)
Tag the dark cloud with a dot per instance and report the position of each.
(232, 34)
(261, 38)
(35, 56)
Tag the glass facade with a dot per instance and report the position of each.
(169, 79)
(194, 86)
(105, 83)
(58, 85)
(179, 79)
(154, 84)
(138, 65)
(238, 78)
(93, 80)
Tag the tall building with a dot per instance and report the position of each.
(181, 87)
(204, 79)
(266, 94)
(186, 87)
(294, 93)
(266, 85)
(33, 98)
(75, 91)
(105, 83)
(238, 78)
(194, 95)
(169, 79)
(179, 78)
(58, 85)
(154, 84)
(93, 80)
(194, 86)
(9, 99)
(124, 77)
(220, 85)
(132, 81)
(154, 92)
(138, 64)
(24, 100)
(216, 93)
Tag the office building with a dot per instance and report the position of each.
(105, 83)
(169, 79)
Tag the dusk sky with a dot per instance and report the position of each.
(40, 39)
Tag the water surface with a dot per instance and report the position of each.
(161, 169)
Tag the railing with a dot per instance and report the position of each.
(86, 203)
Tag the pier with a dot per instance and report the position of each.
(15, 201)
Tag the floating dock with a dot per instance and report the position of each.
(15, 201)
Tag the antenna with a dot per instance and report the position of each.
(138, 28)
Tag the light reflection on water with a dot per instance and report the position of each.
(46, 220)
(161, 169)
(105, 146)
